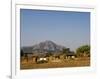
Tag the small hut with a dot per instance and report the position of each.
(56, 56)
(42, 57)
(70, 55)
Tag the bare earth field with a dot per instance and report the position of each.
(78, 62)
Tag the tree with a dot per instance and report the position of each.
(21, 53)
(83, 50)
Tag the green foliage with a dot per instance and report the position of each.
(83, 50)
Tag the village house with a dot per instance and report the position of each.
(55, 57)
(27, 55)
(42, 58)
(70, 55)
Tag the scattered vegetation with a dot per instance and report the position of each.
(67, 58)
(83, 51)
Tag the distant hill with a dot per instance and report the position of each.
(47, 46)
(43, 47)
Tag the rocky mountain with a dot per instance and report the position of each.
(44, 47)
(47, 46)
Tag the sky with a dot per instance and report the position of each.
(66, 28)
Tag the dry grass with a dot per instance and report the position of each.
(78, 62)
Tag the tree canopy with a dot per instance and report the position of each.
(85, 49)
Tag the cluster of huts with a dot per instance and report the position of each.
(29, 56)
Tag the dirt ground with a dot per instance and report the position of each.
(78, 62)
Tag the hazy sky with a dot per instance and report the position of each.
(70, 29)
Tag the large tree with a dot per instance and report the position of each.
(83, 50)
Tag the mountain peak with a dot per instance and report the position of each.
(44, 47)
(48, 41)
(47, 46)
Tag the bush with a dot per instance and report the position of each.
(83, 50)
